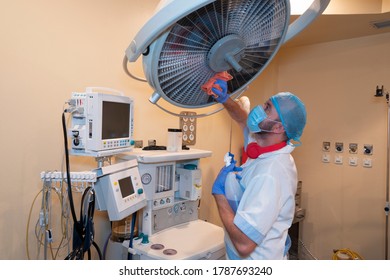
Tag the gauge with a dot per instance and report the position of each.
(176, 208)
(146, 178)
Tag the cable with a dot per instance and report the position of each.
(83, 232)
(345, 254)
(98, 250)
(306, 250)
(45, 212)
(125, 60)
(67, 166)
(84, 243)
(230, 135)
(106, 244)
(28, 223)
(77, 232)
(133, 220)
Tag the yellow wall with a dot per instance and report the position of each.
(355, 7)
(51, 48)
(337, 82)
(385, 6)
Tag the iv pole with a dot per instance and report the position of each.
(379, 93)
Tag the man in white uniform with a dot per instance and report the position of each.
(256, 202)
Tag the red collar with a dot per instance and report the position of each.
(253, 150)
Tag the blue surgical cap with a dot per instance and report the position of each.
(292, 114)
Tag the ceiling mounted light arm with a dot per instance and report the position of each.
(315, 10)
(171, 12)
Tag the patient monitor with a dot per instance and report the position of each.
(102, 124)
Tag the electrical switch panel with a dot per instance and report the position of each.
(338, 159)
(368, 149)
(353, 161)
(339, 147)
(353, 148)
(359, 154)
(367, 162)
(325, 158)
(188, 126)
(326, 146)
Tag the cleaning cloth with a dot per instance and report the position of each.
(207, 87)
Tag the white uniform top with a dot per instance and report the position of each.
(266, 209)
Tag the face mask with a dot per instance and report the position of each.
(255, 117)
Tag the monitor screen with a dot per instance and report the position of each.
(126, 186)
(115, 120)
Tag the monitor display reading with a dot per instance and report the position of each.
(126, 186)
(115, 120)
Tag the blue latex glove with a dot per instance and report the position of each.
(219, 183)
(220, 89)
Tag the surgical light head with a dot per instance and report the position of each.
(292, 113)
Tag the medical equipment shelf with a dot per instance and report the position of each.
(163, 155)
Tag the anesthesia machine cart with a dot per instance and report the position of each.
(168, 226)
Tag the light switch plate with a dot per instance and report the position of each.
(326, 158)
(338, 160)
(367, 162)
(353, 161)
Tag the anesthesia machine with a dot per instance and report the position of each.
(169, 227)
(160, 188)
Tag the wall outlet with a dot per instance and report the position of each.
(326, 146)
(353, 148)
(339, 147)
(368, 149)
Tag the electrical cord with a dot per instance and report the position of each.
(77, 231)
(67, 166)
(28, 224)
(39, 232)
(106, 244)
(125, 60)
(133, 220)
(345, 254)
(83, 231)
(306, 250)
